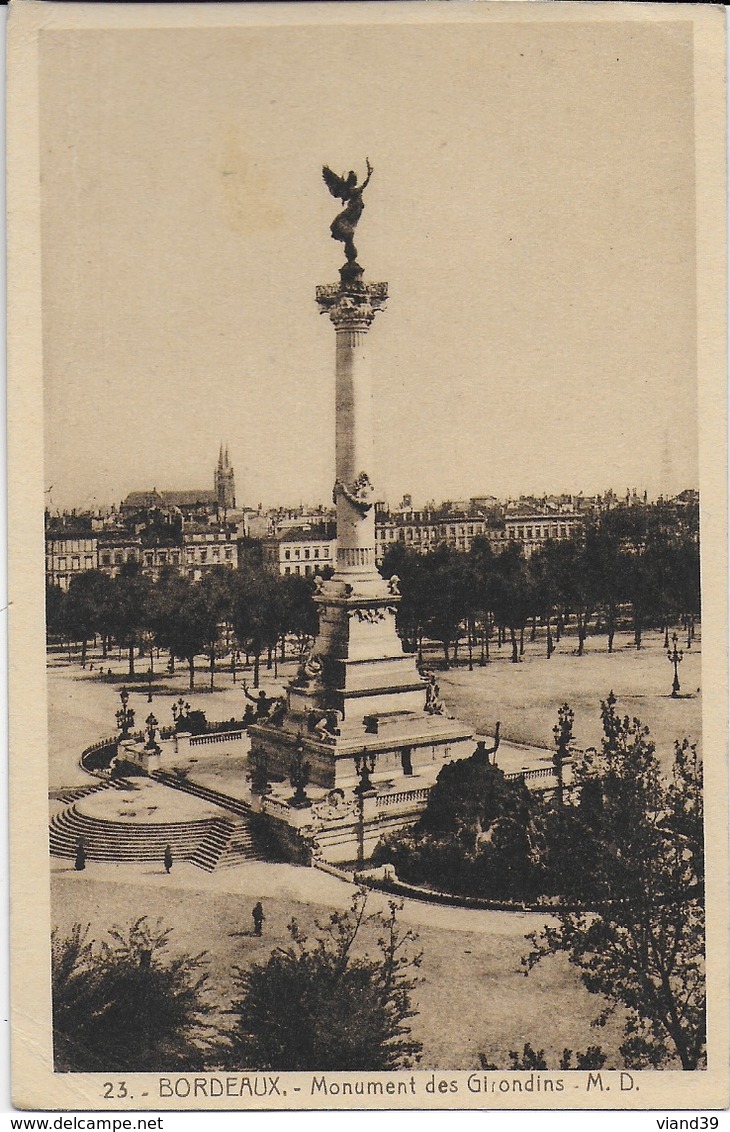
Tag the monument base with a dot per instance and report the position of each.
(401, 743)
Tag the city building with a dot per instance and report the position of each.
(205, 547)
(304, 549)
(69, 553)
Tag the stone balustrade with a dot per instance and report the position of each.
(401, 797)
(215, 737)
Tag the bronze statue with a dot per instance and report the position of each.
(343, 226)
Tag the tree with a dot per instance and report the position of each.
(642, 945)
(322, 1004)
(414, 607)
(130, 607)
(256, 613)
(530, 1059)
(166, 606)
(181, 620)
(606, 564)
(214, 598)
(55, 611)
(544, 577)
(449, 586)
(299, 612)
(127, 1006)
(87, 607)
(481, 558)
(476, 835)
(513, 598)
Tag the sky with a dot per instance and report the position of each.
(531, 208)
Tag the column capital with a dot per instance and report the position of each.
(351, 306)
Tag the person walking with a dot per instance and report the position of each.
(258, 918)
(167, 859)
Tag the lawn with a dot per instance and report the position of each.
(471, 997)
(525, 697)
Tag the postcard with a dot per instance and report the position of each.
(368, 556)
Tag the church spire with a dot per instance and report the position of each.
(225, 487)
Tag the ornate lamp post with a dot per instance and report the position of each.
(365, 766)
(299, 777)
(125, 715)
(563, 732)
(179, 712)
(149, 684)
(675, 657)
(151, 724)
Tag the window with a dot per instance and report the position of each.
(297, 554)
(163, 558)
(203, 555)
(326, 552)
(175, 557)
(307, 569)
(287, 569)
(216, 553)
(229, 552)
(119, 558)
(106, 559)
(287, 554)
(316, 552)
(75, 562)
(306, 553)
(62, 564)
(148, 559)
(529, 532)
(130, 556)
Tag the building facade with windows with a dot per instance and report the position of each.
(68, 554)
(206, 547)
(305, 550)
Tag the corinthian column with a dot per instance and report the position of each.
(352, 307)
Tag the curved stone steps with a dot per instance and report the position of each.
(116, 841)
(208, 844)
(73, 793)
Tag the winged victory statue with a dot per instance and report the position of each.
(347, 189)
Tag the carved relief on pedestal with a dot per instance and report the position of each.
(371, 615)
(335, 807)
(359, 494)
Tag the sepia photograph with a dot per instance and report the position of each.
(368, 645)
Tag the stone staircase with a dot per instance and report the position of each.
(208, 844)
(73, 793)
(240, 845)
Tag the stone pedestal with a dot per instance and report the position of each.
(357, 693)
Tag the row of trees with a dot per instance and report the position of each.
(630, 564)
(622, 843)
(186, 618)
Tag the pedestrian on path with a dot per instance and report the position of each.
(258, 918)
(80, 863)
(167, 859)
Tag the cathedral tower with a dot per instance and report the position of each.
(224, 482)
